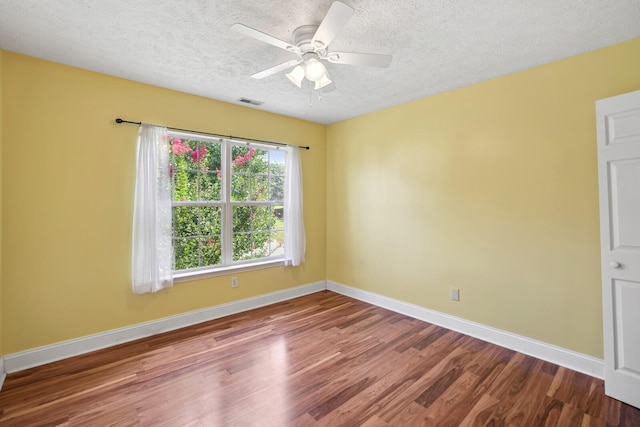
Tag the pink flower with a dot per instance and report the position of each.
(178, 147)
(198, 154)
(240, 161)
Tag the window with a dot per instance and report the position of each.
(227, 202)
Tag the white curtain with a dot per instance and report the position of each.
(152, 262)
(294, 238)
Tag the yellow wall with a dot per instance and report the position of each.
(1, 145)
(491, 188)
(68, 181)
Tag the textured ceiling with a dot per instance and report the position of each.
(189, 46)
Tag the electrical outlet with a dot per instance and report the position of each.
(234, 282)
(455, 294)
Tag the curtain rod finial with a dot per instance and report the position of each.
(118, 120)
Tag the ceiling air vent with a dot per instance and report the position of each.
(250, 101)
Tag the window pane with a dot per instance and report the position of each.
(260, 162)
(241, 158)
(212, 161)
(276, 244)
(251, 228)
(185, 221)
(195, 169)
(197, 252)
(210, 186)
(198, 155)
(186, 253)
(277, 232)
(258, 231)
(259, 188)
(276, 188)
(260, 245)
(240, 187)
(262, 218)
(250, 174)
(196, 221)
(276, 162)
(242, 246)
(210, 221)
(185, 185)
(210, 251)
(248, 219)
(180, 159)
(242, 219)
(180, 146)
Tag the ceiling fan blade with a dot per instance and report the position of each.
(274, 70)
(335, 19)
(368, 59)
(258, 35)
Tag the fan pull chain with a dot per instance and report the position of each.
(312, 90)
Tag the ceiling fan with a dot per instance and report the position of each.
(311, 45)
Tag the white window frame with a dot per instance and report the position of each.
(228, 266)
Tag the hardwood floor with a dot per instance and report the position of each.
(319, 360)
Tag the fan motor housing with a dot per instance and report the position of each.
(303, 39)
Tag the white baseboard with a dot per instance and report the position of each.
(51, 353)
(560, 356)
(3, 374)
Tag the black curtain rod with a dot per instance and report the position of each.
(119, 120)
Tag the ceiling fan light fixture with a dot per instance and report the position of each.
(296, 75)
(314, 70)
(324, 81)
(311, 44)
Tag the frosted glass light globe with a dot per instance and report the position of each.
(314, 70)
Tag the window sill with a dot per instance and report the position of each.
(222, 271)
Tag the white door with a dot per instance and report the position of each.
(618, 126)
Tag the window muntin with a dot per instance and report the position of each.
(227, 202)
